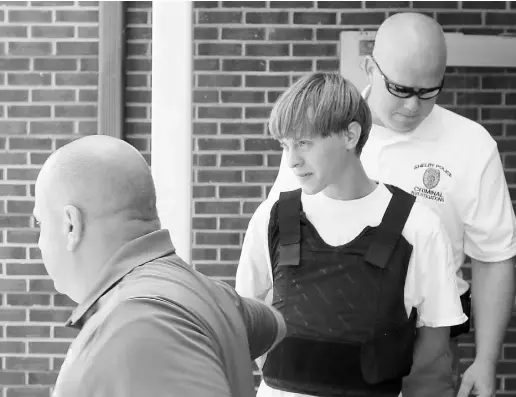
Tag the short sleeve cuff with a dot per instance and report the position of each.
(422, 322)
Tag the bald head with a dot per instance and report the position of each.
(411, 44)
(101, 176)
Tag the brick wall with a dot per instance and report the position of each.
(48, 97)
(247, 53)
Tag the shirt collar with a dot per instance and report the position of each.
(131, 255)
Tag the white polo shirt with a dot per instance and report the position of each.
(430, 285)
(452, 165)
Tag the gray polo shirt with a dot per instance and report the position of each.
(155, 327)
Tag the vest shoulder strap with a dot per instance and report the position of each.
(289, 225)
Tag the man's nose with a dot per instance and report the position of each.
(293, 158)
(413, 104)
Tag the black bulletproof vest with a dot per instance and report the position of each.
(347, 328)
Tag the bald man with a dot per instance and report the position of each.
(149, 324)
(453, 165)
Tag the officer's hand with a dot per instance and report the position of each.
(479, 380)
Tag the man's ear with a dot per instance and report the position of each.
(74, 226)
(353, 135)
(369, 68)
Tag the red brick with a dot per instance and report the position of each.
(205, 4)
(141, 96)
(495, 129)
(11, 378)
(290, 34)
(12, 285)
(242, 128)
(34, 253)
(274, 160)
(339, 4)
(18, 206)
(291, 66)
(89, 65)
(38, 158)
(213, 207)
(266, 81)
(141, 48)
(315, 18)
(506, 145)
(12, 252)
(88, 32)
(470, 113)
(25, 269)
(239, 160)
(28, 363)
(219, 112)
(29, 79)
(13, 31)
(55, 64)
(244, 4)
(218, 144)
(244, 65)
(12, 190)
(230, 254)
(138, 65)
(29, 16)
(61, 300)
(26, 331)
(11, 95)
(362, 18)
(53, 95)
(217, 238)
(265, 17)
(58, 32)
(240, 223)
(249, 207)
(14, 64)
(217, 270)
(219, 17)
(23, 174)
(57, 3)
(64, 332)
(219, 49)
(30, 48)
(206, 254)
(219, 80)
(203, 191)
(204, 223)
(206, 64)
(30, 144)
(243, 96)
(11, 347)
(217, 175)
(243, 34)
(239, 192)
(267, 50)
(503, 113)
(13, 158)
(11, 315)
(483, 5)
(45, 315)
(136, 17)
(90, 128)
(139, 33)
(130, 128)
(436, 4)
(39, 378)
(205, 96)
(328, 34)
(256, 176)
(204, 33)
(135, 112)
(41, 285)
(88, 95)
(76, 79)
(315, 50)
(28, 111)
(48, 347)
(136, 80)
(327, 65)
(75, 111)
(57, 362)
(459, 18)
(77, 48)
(77, 16)
(28, 300)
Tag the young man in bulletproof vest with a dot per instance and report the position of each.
(361, 272)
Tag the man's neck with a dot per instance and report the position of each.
(353, 185)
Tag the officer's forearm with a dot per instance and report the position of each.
(493, 299)
(431, 343)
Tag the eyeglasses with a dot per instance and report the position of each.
(402, 91)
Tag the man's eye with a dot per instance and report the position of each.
(304, 143)
(400, 88)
